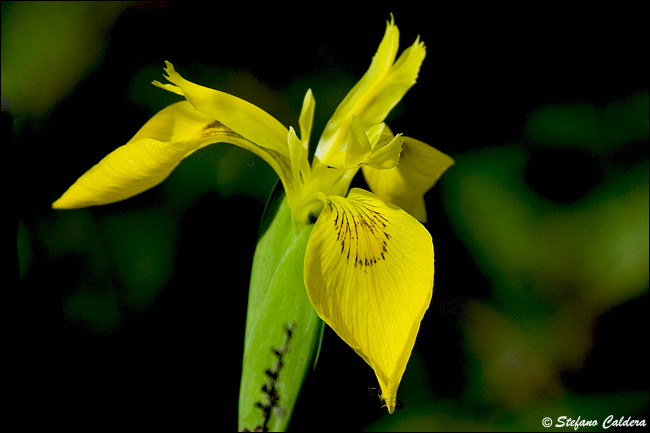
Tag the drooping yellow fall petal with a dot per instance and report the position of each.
(150, 156)
(145, 161)
(420, 166)
(369, 274)
(246, 119)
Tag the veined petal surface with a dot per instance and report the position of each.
(369, 274)
(420, 166)
(246, 119)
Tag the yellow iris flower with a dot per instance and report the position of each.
(369, 263)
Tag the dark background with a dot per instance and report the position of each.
(133, 313)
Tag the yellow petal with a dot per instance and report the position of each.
(334, 138)
(374, 96)
(299, 147)
(386, 156)
(150, 156)
(369, 275)
(392, 88)
(307, 116)
(359, 147)
(300, 170)
(246, 119)
(420, 166)
(145, 161)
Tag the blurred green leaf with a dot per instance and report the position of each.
(589, 126)
(140, 244)
(63, 38)
(99, 313)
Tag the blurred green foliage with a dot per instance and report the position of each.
(556, 259)
(540, 228)
(47, 47)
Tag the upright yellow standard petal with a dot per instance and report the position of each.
(420, 166)
(369, 274)
(334, 138)
(374, 96)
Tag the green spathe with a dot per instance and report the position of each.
(277, 299)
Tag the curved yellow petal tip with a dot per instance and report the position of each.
(173, 77)
(369, 269)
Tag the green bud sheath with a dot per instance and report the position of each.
(283, 331)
